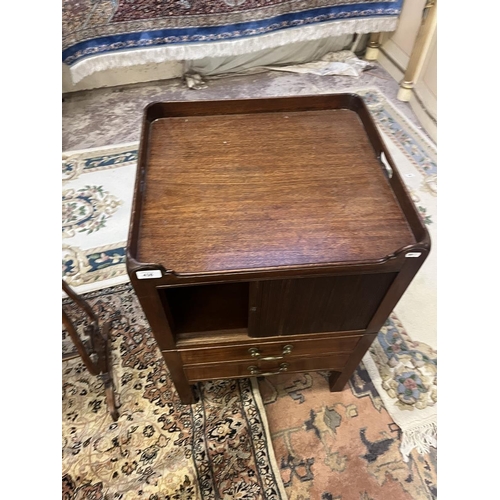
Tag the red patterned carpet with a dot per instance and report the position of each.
(341, 446)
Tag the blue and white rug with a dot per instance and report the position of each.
(97, 197)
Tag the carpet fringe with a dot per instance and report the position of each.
(421, 438)
(193, 51)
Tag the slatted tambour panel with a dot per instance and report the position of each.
(334, 303)
(265, 318)
(319, 304)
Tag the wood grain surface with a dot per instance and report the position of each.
(240, 352)
(214, 371)
(320, 304)
(245, 191)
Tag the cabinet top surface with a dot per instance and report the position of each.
(259, 190)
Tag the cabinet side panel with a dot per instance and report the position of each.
(336, 303)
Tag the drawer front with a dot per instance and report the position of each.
(255, 351)
(216, 371)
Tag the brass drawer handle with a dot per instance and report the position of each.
(255, 371)
(255, 353)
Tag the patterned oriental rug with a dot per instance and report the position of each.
(375, 439)
(102, 34)
(341, 446)
(158, 449)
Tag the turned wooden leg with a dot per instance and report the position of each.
(373, 47)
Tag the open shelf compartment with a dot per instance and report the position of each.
(206, 308)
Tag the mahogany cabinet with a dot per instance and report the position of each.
(268, 235)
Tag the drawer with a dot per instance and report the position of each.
(264, 349)
(216, 371)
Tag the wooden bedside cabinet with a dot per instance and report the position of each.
(268, 235)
